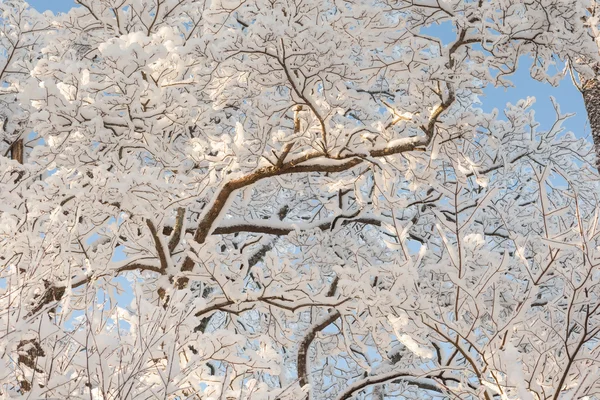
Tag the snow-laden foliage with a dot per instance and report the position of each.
(294, 199)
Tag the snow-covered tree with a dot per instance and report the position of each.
(295, 199)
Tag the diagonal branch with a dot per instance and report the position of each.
(303, 347)
(162, 255)
(297, 165)
(177, 229)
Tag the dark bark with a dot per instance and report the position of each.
(304, 346)
(294, 166)
(591, 97)
(17, 151)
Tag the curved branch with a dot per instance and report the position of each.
(423, 382)
(304, 345)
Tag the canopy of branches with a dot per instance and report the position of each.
(295, 199)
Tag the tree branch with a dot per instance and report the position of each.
(177, 229)
(261, 226)
(424, 382)
(304, 345)
(162, 255)
(295, 166)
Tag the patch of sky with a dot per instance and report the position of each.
(444, 31)
(75, 319)
(523, 85)
(124, 292)
(56, 6)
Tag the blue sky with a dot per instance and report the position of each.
(53, 5)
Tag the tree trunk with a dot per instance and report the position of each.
(590, 88)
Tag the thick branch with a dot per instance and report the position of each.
(294, 166)
(304, 346)
(177, 229)
(276, 301)
(261, 226)
(17, 151)
(162, 255)
(302, 363)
